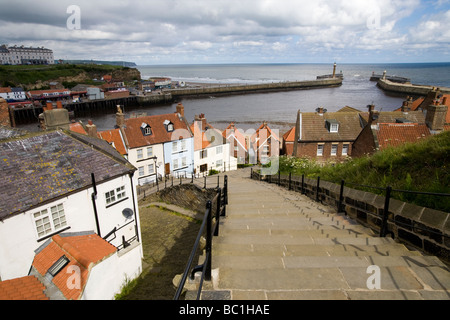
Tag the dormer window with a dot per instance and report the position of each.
(168, 125)
(146, 129)
(332, 125)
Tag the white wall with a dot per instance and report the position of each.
(107, 278)
(19, 238)
(158, 151)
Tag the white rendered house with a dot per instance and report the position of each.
(57, 182)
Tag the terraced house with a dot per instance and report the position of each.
(61, 183)
(159, 145)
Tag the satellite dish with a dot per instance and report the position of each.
(127, 213)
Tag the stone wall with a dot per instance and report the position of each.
(423, 228)
(187, 196)
(265, 87)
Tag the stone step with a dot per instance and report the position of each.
(288, 239)
(326, 233)
(297, 262)
(280, 250)
(240, 225)
(394, 278)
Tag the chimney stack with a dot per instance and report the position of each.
(180, 109)
(59, 105)
(407, 105)
(435, 117)
(91, 129)
(120, 117)
(373, 114)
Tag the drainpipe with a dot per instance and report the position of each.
(134, 203)
(93, 196)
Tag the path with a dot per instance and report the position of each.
(279, 244)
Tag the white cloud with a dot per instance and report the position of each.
(220, 29)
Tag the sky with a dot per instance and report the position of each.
(159, 32)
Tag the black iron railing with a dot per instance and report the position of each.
(213, 212)
(300, 185)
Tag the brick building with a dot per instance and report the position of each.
(325, 136)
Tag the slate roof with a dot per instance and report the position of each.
(137, 139)
(394, 134)
(46, 166)
(82, 251)
(314, 126)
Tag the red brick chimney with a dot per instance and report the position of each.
(59, 105)
(180, 109)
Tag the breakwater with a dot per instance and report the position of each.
(255, 88)
(408, 88)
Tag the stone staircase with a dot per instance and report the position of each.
(278, 244)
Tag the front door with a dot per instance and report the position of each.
(167, 168)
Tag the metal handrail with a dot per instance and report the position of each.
(387, 191)
(222, 199)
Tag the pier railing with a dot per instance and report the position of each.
(215, 209)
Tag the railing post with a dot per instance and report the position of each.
(208, 241)
(383, 228)
(317, 189)
(251, 173)
(225, 187)
(290, 180)
(219, 204)
(341, 197)
(218, 181)
(303, 183)
(204, 184)
(279, 177)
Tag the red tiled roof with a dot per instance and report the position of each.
(394, 134)
(261, 135)
(114, 136)
(238, 136)
(24, 288)
(290, 135)
(77, 127)
(83, 251)
(5, 89)
(159, 134)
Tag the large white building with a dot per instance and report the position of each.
(25, 55)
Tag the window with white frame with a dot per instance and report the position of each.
(141, 171)
(175, 146)
(219, 149)
(151, 168)
(140, 154)
(175, 164)
(320, 150)
(49, 221)
(183, 145)
(149, 152)
(334, 149)
(183, 162)
(115, 195)
(203, 154)
(219, 163)
(345, 147)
